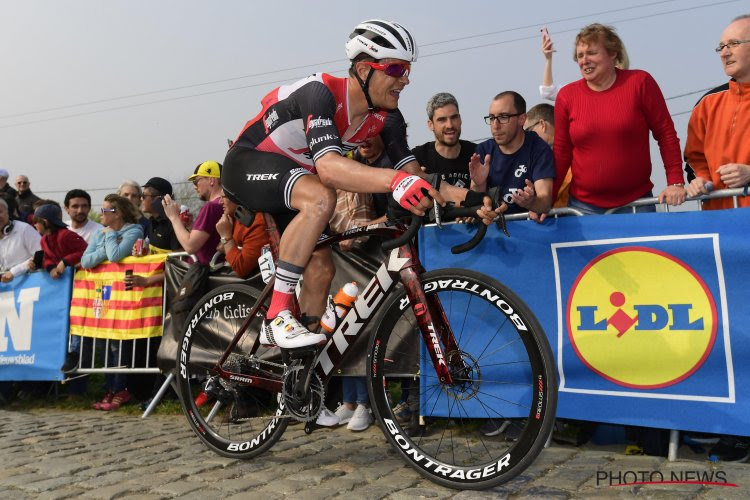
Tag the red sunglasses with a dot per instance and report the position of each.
(396, 70)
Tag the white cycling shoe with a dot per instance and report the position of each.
(288, 333)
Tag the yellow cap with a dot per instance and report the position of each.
(208, 168)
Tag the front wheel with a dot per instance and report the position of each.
(231, 417)
(494, 419)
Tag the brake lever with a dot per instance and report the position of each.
(436, 186)
(502, 224)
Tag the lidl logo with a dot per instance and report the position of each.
(641, 318)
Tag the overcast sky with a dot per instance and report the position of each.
(96, 91)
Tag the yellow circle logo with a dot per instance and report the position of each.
(641, 318)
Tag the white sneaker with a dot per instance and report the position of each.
(344, 414)
(327, 418)
(286, 332)
(361, 419)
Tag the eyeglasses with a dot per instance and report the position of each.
(396, 70)
(534, 124)
(21, 183)
(501, 118)
(108, 210)
(731, 44)
(146, 195)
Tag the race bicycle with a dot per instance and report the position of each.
(470, 348)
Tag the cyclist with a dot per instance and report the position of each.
(289, 160)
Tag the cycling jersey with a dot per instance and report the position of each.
(309, 118)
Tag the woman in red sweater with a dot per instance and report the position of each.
(602, 125)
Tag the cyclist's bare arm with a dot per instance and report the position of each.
(339, 172)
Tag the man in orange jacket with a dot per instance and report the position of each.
(718, 142)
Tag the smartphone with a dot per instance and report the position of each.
(157, 209)
(545, 32)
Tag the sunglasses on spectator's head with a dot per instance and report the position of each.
(396, 70)
(108, 210)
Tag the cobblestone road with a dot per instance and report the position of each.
(57, 454)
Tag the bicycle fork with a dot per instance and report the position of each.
(435, 328)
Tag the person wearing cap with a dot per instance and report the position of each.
(6, 188)
(161, 235)
(18, 243)
(203, 239)
(61, 247)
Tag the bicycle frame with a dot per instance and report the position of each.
(402, 264)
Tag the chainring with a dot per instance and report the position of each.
(308, 408)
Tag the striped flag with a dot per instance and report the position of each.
(102, 308)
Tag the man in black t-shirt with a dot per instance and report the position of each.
(447, 155)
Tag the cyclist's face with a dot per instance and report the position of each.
(385, 90)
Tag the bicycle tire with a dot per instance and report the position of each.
(246, 421)
(512, 379)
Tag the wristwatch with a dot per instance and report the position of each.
(224, 241)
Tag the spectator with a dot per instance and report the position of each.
(241, 245)
(131, 190)
(18, 243)
(6, 188)
(718, 141)
(161, 235)
(447, 155)
(541, 119)
(602, 125)
(203, 239)
(352, 210)
(61, 247)
(548, 89)
(372, 153)
(518, 161)
(78, 205)
(25, 198)
(115, 240)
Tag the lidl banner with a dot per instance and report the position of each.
(647, 314)
(34, 326)
(101, 307)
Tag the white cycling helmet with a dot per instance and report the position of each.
(381, 40)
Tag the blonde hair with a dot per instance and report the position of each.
(601, 33)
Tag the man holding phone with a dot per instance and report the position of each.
(162, 238)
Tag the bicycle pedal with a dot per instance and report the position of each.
(303, 352)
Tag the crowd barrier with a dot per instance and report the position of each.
(645, 313)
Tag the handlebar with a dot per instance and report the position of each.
(447, 212)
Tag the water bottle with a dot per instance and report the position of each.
(340, 305)
(265, 263)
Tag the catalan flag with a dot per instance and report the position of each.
(101, 307)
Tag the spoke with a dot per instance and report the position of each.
(499, 349)
(504, 400)
(493, 338)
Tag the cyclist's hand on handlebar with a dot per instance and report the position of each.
(414, 193)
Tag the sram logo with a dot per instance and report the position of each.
(19, 321)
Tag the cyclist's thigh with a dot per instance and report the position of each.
(261, 181)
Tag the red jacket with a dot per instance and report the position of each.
(63, 245)
(252, 239)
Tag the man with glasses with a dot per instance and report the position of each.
(718, 141)
(203, 239)
(290, 159)
(25, 199)
(518, 160)
(161, 235)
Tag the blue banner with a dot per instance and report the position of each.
(34, 326)
(646, 314)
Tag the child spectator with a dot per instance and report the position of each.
(61, 247)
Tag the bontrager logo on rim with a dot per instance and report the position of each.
(638, 306)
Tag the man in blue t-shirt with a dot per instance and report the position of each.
(518, 161)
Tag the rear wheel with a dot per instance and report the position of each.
(492, 422)
(229, 416)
